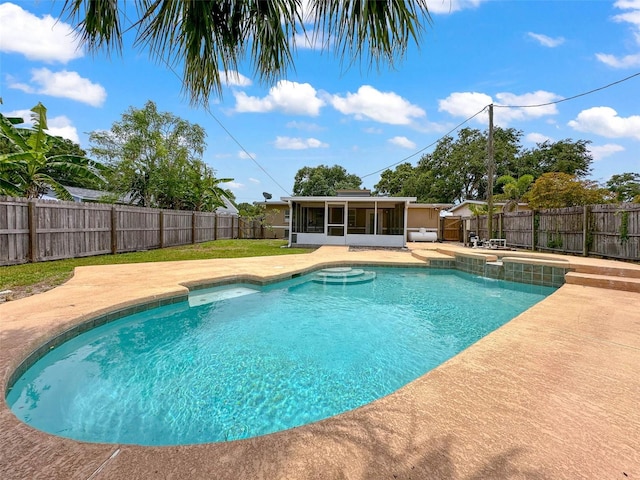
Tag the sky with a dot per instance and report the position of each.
(472, 54)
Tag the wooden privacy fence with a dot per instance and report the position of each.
(611, 230)
(38, 230)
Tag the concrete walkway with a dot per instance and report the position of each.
(555, 393)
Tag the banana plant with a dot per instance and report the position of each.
(29, 169)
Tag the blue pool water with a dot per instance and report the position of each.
(248, 360)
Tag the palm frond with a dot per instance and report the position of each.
(375, 31)
(98, 23)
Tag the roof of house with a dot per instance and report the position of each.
(350, 199)
(229, 207)
(480, 202)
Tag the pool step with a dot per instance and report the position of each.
(343, 276)
(629, 284)
(206, 296)
(631, 271)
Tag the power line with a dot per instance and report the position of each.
(504, 106)
(208, 110)
(428, 146)
(569, 98)
(225, 129)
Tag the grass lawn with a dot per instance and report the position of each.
(31, 278)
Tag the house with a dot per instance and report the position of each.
(468, 219)
(365, 222)
(464, 209)
(228, 209)
(348, 219)
(87, 195)
(84, 195)
(276, 219)
(427, 217)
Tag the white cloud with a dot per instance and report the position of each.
(46, 39)
(632, 17)
(602, 151)
(464, 104)
(450, 6)
(627, 61)
(25, 115)
(254, 180)
(308, 41)
(233, 185)
(403, 142)
(467, 104)
(627, 4)
(534, 98)
(306, 126)
(537, 138)
(246, 156)
(372, 104)
(372, 130)
(62, 127)
(63, 84)
(286, 96)
(59, 126)
(605, 121)
(231, 78)
(288, 143)
(546, 41)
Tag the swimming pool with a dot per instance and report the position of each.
(248, 360)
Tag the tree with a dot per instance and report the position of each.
(559, 190)
(156, 161)
(392, 182)
(565, 156)
(625, 186)
(513, 190)
(251, 211)
(456, 170)
(207, 37)
(324, 181)
(36, 161)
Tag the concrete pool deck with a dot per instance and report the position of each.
(554, 393)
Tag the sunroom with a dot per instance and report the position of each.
(348, 220)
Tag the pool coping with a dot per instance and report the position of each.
(565, 414)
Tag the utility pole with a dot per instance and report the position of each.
(490, 173)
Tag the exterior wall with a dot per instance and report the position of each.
(422, 218)
(275, 224)
(350, 239)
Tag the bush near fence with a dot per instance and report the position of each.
(41, 230)
(610, 231)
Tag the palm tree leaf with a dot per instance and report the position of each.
(378, 31)
(98, 23)
(207, 36)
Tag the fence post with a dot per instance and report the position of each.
(161, 222)
(193, 227)
(33, 234)
(533, 230)
(215, 226)
(114, 230)
(585, 231)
